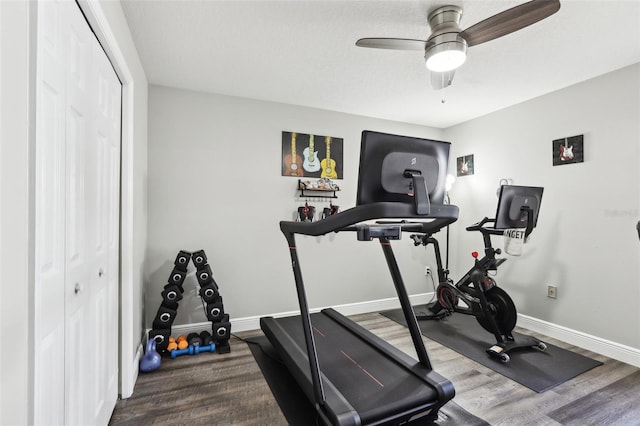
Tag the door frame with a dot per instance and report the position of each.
(130, 353)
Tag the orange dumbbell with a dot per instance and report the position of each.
(172, 344)
(182, 342)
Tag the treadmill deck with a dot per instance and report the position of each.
(376, 386)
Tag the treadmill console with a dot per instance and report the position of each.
(369, 232)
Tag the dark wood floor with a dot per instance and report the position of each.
(228, 389)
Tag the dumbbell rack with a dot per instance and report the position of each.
(209, 292)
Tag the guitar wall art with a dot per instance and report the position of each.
(568, 150)
(305, 155)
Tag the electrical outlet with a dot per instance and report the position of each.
(427, 270)
(552, 291)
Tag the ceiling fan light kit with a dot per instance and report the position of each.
(447, 55)
(445, 49)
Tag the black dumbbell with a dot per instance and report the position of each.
(222, 330)
(161, 337)
(204, 275)
(172, 293)
(177, 277)
(221, 335)
(199, 258)
(194, 339)
(215, 310)
(206, 338)
(164, 318)
(182, 260)
(209, 292)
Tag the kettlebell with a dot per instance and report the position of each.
(151, 360)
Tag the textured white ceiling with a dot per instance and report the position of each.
(303, 53)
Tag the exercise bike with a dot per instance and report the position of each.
(489, 304)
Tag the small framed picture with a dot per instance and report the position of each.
(464, 165)
(568, 150)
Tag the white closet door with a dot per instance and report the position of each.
(77, 222)
(105, 146)
(80, 94)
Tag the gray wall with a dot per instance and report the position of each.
(215, 184)
(585, 242)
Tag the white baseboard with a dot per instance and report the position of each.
(601, 346)
(253, 323)
(596, 344)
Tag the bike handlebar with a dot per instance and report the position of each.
(476, 226)
(486, 231)
(479, 226)
(493, 231)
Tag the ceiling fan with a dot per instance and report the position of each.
(446, 48)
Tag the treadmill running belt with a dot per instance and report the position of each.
(372, 383)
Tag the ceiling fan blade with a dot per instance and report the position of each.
(392, 43)
(509, 21)
(440, 80)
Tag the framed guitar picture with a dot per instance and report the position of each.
(568, 150)
(311, 155)
(464, 165)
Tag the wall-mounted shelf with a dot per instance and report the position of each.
(309, 191)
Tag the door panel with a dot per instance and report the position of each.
(76, 354)
(78, 323)
(108, 218)
(48, 394)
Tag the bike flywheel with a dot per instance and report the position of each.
(504, 311)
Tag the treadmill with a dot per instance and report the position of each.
(351, 376)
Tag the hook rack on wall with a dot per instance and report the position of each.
(307, 189)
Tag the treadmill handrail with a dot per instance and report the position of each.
(442, 215)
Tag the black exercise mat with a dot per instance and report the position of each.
(537, 370)
(299, 411)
